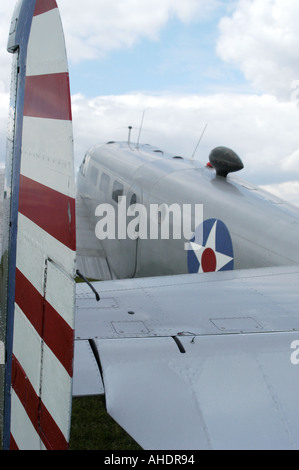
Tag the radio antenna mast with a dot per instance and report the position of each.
(129, 136)
(141, 125)
(202, 134)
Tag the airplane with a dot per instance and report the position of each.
(192, 339)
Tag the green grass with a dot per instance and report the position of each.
(93, 429)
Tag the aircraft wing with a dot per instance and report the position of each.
(195, 361)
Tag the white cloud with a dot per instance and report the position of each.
(262, 130)
(261, 38)
(288, 191)
(96, 27)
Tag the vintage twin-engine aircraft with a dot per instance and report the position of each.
(192, 336)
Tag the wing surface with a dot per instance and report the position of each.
(198, 361)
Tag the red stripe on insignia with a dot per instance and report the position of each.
(42, 6)
(48, 96)
(50, 326)
(38, 414)
(49, 209)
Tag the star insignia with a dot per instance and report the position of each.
(209, 258)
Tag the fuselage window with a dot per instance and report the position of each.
(118, 191)
(104, 183)
(94, 173)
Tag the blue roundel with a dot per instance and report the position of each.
(210, 249)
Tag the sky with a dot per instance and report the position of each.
(232, 65)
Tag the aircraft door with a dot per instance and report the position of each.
(122, 252)
(133, 202)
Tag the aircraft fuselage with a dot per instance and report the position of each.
(243, 226)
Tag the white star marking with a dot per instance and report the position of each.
(221, 259)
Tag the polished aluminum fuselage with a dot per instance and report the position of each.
(264, 229)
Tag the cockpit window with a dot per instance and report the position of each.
(118, 191)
